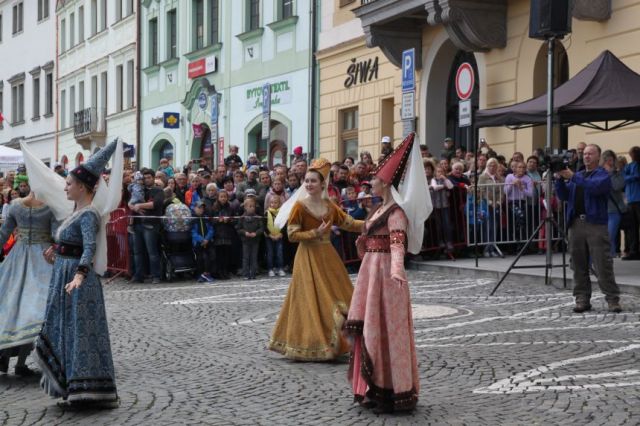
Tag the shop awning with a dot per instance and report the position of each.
(605, 90)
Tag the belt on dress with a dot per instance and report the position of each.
(377, 244)
(69, 250)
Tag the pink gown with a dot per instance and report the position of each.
(383, 366)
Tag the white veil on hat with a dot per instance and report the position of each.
(49, 188)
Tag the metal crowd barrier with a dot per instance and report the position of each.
(495, 218)
(118, 243)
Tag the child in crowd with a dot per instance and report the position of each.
(351, 205)
(441, 187)
(274, 239)
(365, 189)
(249, 228)
(136, 189)
(210, 198)
(224, 233)
(276, 190)
(202, 240)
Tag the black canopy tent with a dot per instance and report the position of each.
(605, 90)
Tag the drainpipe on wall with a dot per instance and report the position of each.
(137, 85)
(313, 79)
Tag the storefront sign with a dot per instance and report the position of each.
(171, 120)
(202, 101)
(202, 66)
(361, 72)
(280, 94)
(197, 131)
(266, 110)
(220, 151)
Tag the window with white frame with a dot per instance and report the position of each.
(253, 15)
(18, 17)
(81, 96)
(36, 97)
(130, 84)
(63, 35)
(94, 91)
(63, 109)
(214, 21)
(118, 10)
(1, 27)
(48, 91)
(80, 24)
(153, 41)
(43, 9)
(119, 88)
(72, 24)
(198, 24)
(172, 34)
(72, 104)
(94, 17)
(286, 9)
(103, 15)
(128, 7)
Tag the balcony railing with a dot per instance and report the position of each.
(89, 122)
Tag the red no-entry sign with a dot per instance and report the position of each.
(465, 80)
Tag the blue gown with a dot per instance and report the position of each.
(24, 275)
(73, 349)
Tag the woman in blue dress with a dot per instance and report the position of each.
(73, 349)
(24, 279)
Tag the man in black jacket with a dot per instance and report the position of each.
(146, 231)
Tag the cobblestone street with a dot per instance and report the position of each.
(189, 354)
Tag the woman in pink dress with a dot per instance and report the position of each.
(383, 368)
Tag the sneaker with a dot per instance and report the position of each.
(155, 281)
(202, 279)
(581, 306)
(208, 278)
(615, 307)
(247, 278)
(281, 273)
(272, 273)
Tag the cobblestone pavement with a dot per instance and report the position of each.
(187, 353)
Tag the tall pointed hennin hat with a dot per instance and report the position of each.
(322, 166)
(89, 172)
(391, 168)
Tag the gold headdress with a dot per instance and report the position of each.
(322, 166)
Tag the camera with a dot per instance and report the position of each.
(558, 162)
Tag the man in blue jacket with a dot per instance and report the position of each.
(587, 194)
(632, 191)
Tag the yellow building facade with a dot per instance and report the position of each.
(510, 68)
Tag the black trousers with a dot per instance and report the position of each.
(205, 258)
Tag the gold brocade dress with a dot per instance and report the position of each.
(317, 303)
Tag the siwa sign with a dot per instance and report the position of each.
(280, 94)
(361, 72)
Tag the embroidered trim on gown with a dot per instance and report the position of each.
(317, 302)
(383, 363)
(73, 349)
(24, 274)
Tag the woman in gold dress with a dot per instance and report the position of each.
(317, 303)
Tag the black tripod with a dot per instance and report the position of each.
(549, 222)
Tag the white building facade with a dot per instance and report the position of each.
(200, 53)
(97, 76)
(27, 75)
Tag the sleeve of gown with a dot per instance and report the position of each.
(294, 228)
(397, 224)
(89, 225)
(54, 226)
(345, 222)
(8, 226)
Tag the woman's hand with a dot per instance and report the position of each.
(400, 281)
(75, 283)
(50, 255)
(323, 228)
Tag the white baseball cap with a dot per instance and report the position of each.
(385, 139)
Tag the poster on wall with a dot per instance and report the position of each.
(220, 151)
(197, 131)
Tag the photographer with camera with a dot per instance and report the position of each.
(587, 194)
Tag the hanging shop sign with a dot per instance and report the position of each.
(202, 66)
(361, 72)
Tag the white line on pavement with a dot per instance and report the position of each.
(550, 342)
(209, 299)
(525, 382)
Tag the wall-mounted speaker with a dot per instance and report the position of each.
(550, 18)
